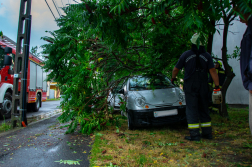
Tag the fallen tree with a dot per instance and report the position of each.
(102, 43)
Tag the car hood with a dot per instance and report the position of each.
(158, 96)
(117, 97)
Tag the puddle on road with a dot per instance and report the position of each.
(43, 116)
(53, 149)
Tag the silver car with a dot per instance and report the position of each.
(114, 100)
(152, 100)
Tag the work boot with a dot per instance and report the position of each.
(194, 135)
(207, 132)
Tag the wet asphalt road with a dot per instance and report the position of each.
(47, 106)
(43, 143)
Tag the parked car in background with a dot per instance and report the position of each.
(114, 100)
(152, 100)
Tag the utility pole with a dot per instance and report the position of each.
(18, 115)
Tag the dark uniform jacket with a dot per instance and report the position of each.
(188, 61)
(246, 57)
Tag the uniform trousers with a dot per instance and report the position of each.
(196, 94)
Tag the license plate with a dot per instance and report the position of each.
(165, 113)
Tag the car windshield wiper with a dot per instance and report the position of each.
(138, 87)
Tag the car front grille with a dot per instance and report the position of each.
(166, 120)
(158, 106)
(147, 118)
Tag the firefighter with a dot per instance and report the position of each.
(222, 77)
(197, 63)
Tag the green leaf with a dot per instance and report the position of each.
(117, 130)
(69, 162)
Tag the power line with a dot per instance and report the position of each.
(75, 1)
(50, 9)
(62, 4)
(56, 6)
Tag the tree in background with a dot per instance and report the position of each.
(226, 13)
(228, 16)
(34, 51)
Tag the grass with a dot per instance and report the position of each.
(57, 99)
(231, 146)
(5, 127)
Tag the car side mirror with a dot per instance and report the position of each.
(121, 91)
(7, 50)
(7, 60)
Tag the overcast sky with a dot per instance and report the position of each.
(42, 18)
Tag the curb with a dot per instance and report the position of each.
(58, 110)
(32, 123)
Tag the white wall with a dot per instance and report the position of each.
(52, 94)
(236, 94)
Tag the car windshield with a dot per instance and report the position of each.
(148, 83)
(116, 89)
(1, 58)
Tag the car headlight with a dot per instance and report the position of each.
(181, 96)
(140, 102)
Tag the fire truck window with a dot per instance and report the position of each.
(1, 58)
(13, 59)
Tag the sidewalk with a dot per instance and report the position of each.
(43, 143)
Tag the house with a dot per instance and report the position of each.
(53, 91)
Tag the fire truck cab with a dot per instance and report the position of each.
(36, 79)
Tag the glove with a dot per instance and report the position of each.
(217, 88)
(173, 79)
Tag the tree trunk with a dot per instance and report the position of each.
(223, 111)
(210, 43)
(228, 70)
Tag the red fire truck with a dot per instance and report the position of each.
(36, 80)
